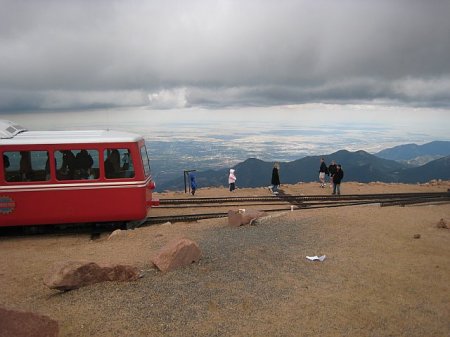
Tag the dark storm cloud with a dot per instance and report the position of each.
(79, 54)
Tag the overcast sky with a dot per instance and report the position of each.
(202, 54)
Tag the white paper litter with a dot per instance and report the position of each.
(316, 258)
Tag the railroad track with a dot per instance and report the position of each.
(296, 201)
(291, 198)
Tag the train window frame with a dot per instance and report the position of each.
(39, 167)
(145, 160)
(77, 174)
(126, 167)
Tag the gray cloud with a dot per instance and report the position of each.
(57, 55)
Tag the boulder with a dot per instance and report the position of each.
(26, 324)
(75, 274)
(177, 254)
(238, 218)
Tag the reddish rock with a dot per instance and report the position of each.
(237, 219)
(26, 324)
(176, 254)
(121, 273)
(75, 274)
(234, 218)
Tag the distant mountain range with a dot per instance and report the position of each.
(436, 169)
(358, 166)
(416, 155)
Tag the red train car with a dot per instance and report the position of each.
(61, 177)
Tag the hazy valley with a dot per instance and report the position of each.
(253, 167)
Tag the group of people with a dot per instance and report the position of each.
(336, 175)
(75, 167)
(275, 181)
(334, 171)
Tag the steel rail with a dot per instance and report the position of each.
(339, 203)
(414, 201)
(283, 201)
(307, 201)
(287, 197)
(293, 202)
(225, 204)
(194, 217)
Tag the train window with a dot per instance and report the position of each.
(75, 164)
(22, 166)
(145, 161)
(118, 164)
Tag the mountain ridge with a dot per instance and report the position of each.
(416, 155)
(358, 166)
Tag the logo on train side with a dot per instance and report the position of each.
(7, 205)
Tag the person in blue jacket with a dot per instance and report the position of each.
(193, 183)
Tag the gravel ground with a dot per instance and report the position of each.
(377, 280)
(231, 281)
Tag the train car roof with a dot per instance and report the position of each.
(22, 136)
(9, 129)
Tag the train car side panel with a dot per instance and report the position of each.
(56, 206)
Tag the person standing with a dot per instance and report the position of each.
(193, 183)
(112, 165)
(84, 163)
(68, 165)
(331, 171)
(232, 180)
(337, 178)
(25, 165)
(275, 179)
(323, 170)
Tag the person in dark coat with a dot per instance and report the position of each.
(275, 179)
(68, 165)
(193, 183)
(26, 170)
(112, 165)
(84, 163)
(323, 170)
(337, 178)
(332, 170)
